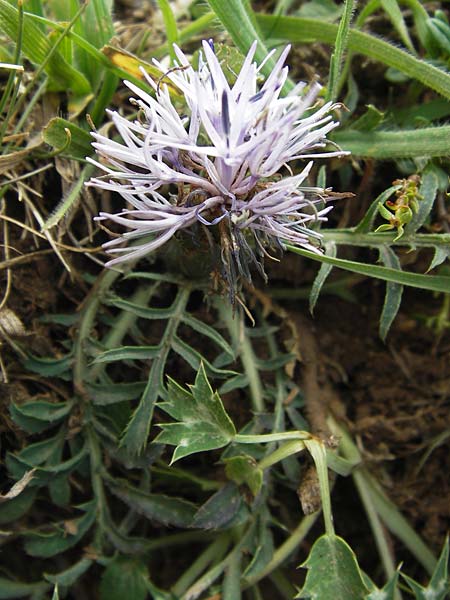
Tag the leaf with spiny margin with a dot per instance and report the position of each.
(333, 572)
(203, 422)
(439, 585)
(387, 592)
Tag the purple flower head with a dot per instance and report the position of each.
(217, 167)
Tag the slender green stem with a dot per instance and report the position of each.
(351, 237)
(236, 326)
(210, 576)
(87, 320)
(281, 453)
(214, 552)
(285, 550)
(264, 438)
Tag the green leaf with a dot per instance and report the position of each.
(295, 29)
(440, 256)
(209, 332)
(439, 586)
(128, 353)
(387, 592)
(321, 277)
(46, 545)
(428, 191)
(402, 143)
(77, 144)
(103, 394)
(41, 410)
(369, 120)
(157, 507)
(394, 13)
(339, 48)
(15, 508)
(394, 291)
(36, 46)
(220, 509)
(17, 589)
(124, 578)
(49, 367)
(244, 469)
(436, 283)
(333, 572)
(263, 552)
(69, 576)
(203, 423)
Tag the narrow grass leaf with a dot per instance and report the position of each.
(321, 277)
(386, 145)
(36, 46)
(436, 283)
(394, 13)
(339, 49)
(394, 291)
(296, 29)
(170, 25)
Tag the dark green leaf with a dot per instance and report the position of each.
(110, 393)
(128, 353)
(219, 510)
(394, 291)
(157, 507)
(124, 578)
(69, 576)
(49, 367)
(18, 589)
(61, 538)
(13, 509)
(45, 411)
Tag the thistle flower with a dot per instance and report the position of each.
(218, 167)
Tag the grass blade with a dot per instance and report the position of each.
(297, 29)
(435, 283)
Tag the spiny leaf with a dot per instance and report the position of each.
(333, 572)
(203, 423)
